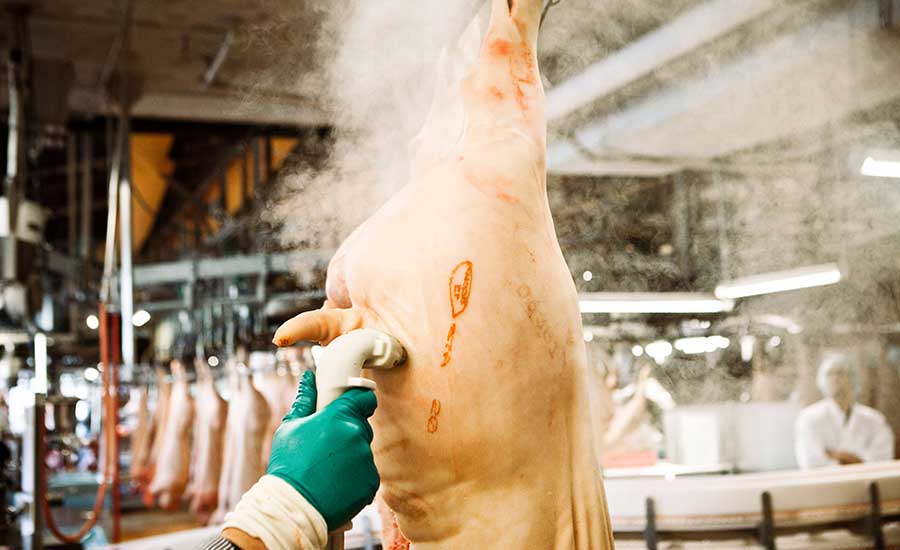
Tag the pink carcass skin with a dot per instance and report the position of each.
(173, 463)
(142, 438)
(484, 438)
(226, 500)
(209, 438)
(160, 414)
(246, 426)
(278, 391)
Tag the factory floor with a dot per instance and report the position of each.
(827, 540)
(148, 523)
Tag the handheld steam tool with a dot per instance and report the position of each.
(339, 368)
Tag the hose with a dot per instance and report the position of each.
(108, 430)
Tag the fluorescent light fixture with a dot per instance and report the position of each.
(652, 302)
(701, 344)
(780, 281)
(39, 384)
(880, 168)
(140, 318)
(92, 322)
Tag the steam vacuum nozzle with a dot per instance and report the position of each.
(340, 366)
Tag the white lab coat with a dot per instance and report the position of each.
(823, 424)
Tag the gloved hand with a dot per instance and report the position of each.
(326, 455)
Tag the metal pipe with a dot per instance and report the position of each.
(39, 485)
(16, 167)
(87, 193)
(721, 222)
(113, 421)
(210, 75)
(120, 43)
(72, 191)
(126, 271)
(72, 212)
(109, 256)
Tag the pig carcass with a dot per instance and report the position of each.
(144, 472)
(209, 437)
(278, 387)
(245, 429)
(170, 477)
(142, 438)
(484, 438)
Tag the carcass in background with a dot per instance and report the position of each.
(246, 427)
(143, 469)
(170, 477)
(278, 386)
(142, 438)
(209, 438)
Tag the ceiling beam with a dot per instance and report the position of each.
(836, 65)
(209, 106)
(682, 35)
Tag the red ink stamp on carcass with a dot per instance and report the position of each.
(460, 288)
(500, 47)
(448, 345)
(433, 418)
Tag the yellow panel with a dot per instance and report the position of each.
(150, 170)
(281, 148)
(248, 158)
(233, 186)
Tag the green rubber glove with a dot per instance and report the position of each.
(326, 455)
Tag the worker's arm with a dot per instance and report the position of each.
(843, 457)
(321, 473)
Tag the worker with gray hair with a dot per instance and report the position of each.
(837, 429)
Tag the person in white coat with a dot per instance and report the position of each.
(837, 429)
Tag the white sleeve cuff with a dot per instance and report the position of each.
(274, 512)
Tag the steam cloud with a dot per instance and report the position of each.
(379, 76)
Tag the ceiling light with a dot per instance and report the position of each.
(701, 344)
(92, 322)
(747, 344)
(91, 374)
(637, 350)
(659, 350)
(587, 275)
(880, 168)
(780, 281)
(652, 302)
(588, 336)
(140, 318)
(213, 361)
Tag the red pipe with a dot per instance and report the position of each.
(107, 429)
(114, 426)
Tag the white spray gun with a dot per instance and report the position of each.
(339, 368)
(340, 365)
